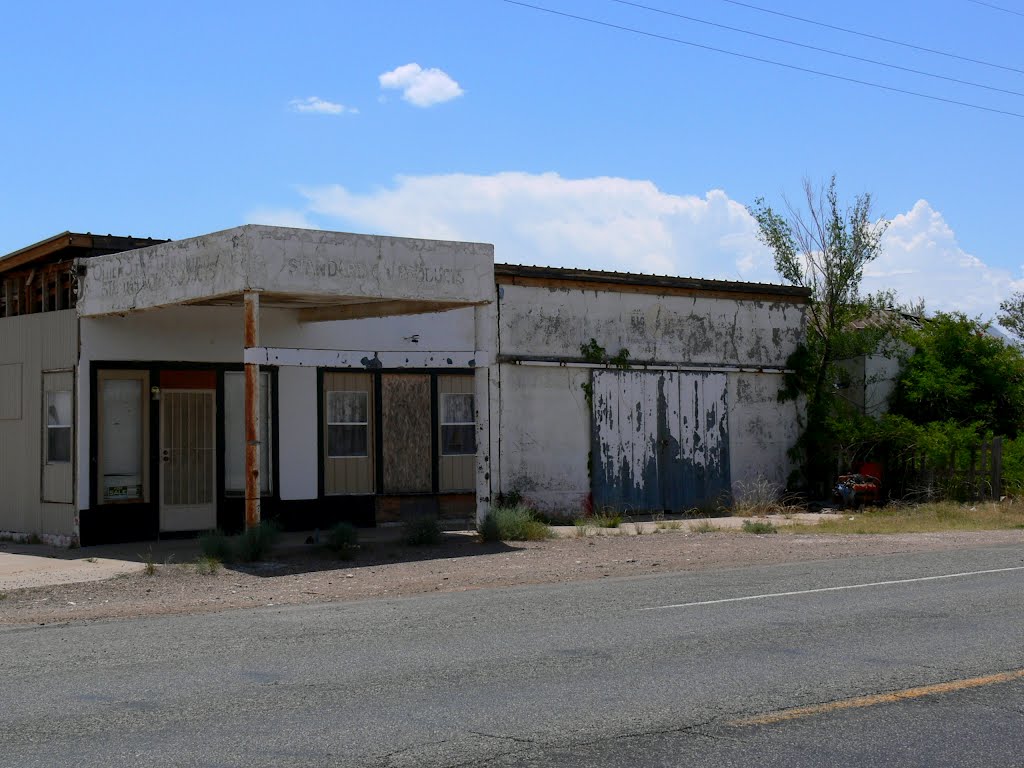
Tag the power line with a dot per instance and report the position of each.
(761, 60)
(820, 50)
(876, 37)
(998, 8)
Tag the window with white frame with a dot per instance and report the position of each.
(458, 424)
(58, 426)
(348, 426)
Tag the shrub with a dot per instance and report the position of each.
(422, 531)
(606, 520)
(216, 546)
(257, 543)
(759, 526)
(207, 565)
(705, 527)
(343, 539)
(513, 524)
(758, 497)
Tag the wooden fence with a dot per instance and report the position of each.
(977, 476)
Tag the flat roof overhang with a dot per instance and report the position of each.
(323, 275)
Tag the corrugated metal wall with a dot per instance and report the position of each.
(660, 440)
(30, 345)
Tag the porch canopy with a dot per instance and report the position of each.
(321, 275)
(324, 275)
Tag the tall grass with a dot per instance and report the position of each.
(925, 518)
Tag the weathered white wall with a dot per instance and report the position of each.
(880, 374)
(696, 330)
(297, 432)
(761, 432)
(29, 345)
(298, 262)
(544, 417)
(214, 335)
(544, 434)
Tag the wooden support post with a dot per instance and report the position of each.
(252, 412)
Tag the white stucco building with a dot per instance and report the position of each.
(395, 377)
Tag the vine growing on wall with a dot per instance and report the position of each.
(594, 353)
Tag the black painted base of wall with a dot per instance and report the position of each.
(122, 523)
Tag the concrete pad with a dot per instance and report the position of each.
(18, 571)
(723, 523)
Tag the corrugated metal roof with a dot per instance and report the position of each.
(653, 281)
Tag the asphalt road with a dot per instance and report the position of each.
(583, 674)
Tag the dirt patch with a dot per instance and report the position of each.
(311, 575)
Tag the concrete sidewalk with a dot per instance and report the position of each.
(40, 565)
(674, 524)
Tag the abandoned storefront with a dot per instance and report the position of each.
(160, 388)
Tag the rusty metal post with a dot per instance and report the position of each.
(252, 411)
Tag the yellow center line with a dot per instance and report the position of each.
(795, 713)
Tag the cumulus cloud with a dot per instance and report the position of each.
(633, 226)
(317, 106)
(922, 258)
(421, 87)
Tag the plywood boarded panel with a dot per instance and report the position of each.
(349, 474)
(660, 439)
(406, 427)
(456, 472)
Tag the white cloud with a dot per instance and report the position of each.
(421, 87)
(630, 225)
(317, 106)
(923, 259)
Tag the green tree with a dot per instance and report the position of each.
(1011, 315)
(960, 373)
(825, 248)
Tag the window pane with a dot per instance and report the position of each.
(458, 409)
(458, 439)
(234, 432)
(58, 445)
(346, 440)
(122, 439)
(58, 409)
(346, 407)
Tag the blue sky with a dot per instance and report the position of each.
(562, 142)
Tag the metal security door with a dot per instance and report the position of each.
(188, 455)
(659, 440)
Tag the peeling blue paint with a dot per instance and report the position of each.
(671, 451)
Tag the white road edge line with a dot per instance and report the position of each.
(833, 589)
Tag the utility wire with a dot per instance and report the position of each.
(998, 8)
(877, 37)
(820, 50)
(761, 60)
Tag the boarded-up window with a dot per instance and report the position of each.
(123, 421)
(406, 414)
(456, 433)
(234, 433)
(348, 433)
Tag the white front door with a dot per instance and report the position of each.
(188, 460)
